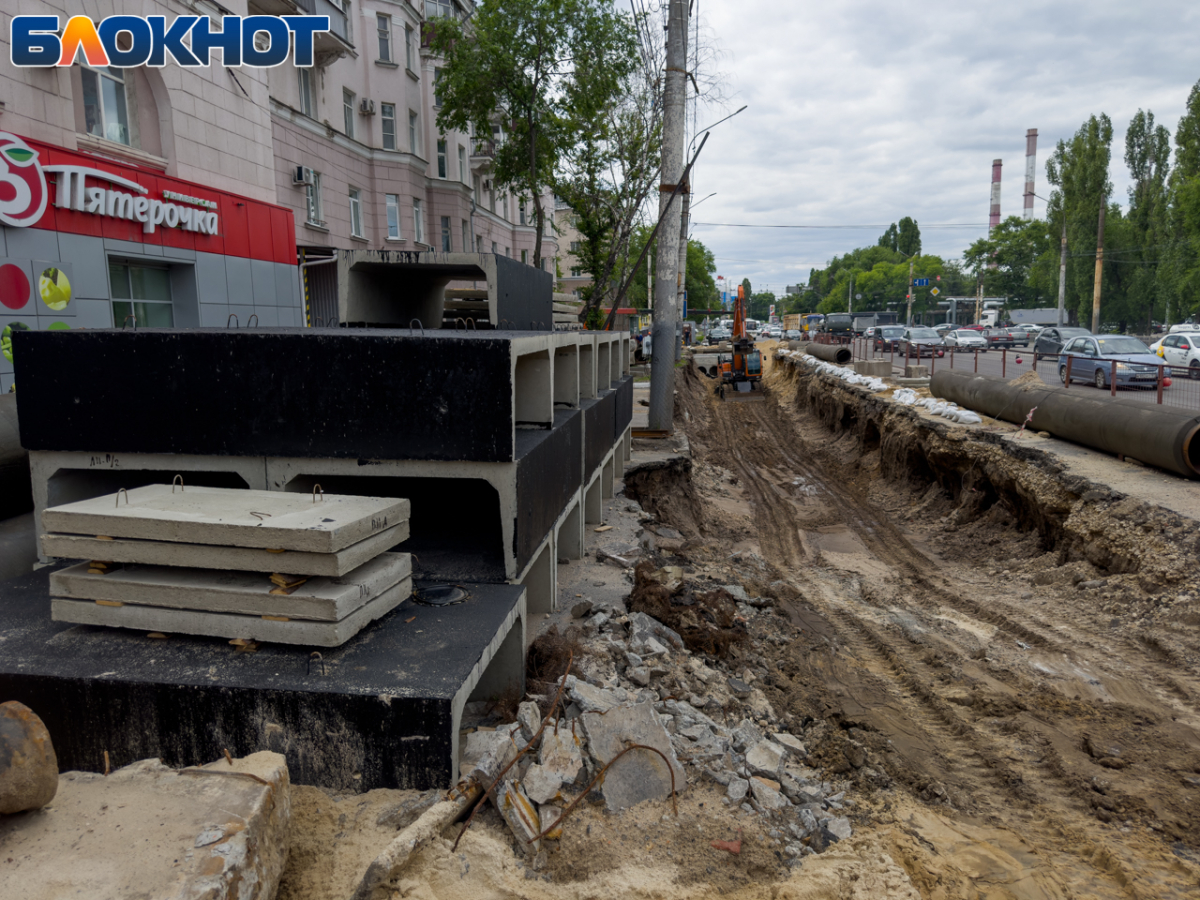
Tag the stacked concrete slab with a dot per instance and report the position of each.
(258, 550)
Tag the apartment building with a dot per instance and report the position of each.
(360, 158)
(573, 277)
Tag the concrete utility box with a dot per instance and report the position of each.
(916, 371)
(873, 368)
(391, 288)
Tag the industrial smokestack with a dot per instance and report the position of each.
(994, 219)
(1030, 168)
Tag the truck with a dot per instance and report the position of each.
(1043, 316)
(865, 320)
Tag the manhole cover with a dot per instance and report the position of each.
(440, 595)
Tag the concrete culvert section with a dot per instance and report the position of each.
(1156, 435)
(833, 353)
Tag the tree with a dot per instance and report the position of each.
(746, 289)
(906, 238)
(760, 305)
(1013, 261)
(701, 286)
(890, 238)
(528, 65)
(1178, 274)
(1079, 171)
(1148, 155)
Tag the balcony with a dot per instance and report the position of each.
(327, 46)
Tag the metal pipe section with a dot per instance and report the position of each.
(834, 353)
(994, 218)
(1030, 169)
(1162, 437)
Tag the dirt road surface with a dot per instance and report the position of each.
(1037, 739)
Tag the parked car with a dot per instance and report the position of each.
(1189, 325)
(1180, 349)
(1050, 341)
(1022, 334)
(887, 337)
(718, 334)
(998, 337)
(920, 341)
(965, 339)
(944, 328)
(1092, 357)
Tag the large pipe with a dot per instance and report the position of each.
(1030, 169)
(994, 218)
(834, 353)
(1158, 436)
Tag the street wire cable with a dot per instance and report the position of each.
(749, 225)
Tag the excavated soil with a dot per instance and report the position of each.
(1007, 657)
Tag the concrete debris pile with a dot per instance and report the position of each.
(250, 565)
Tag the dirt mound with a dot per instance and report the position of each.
(664, 489)
(707, 621)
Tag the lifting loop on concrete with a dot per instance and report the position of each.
(419, 325)
(177, 480)
(234, 317)
(315, 656)
(253, 316)
(316, 488)
(460, 319)
(259, 516)
(471, 325)
(127, 318)
(118, 497)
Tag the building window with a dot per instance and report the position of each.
(306, 93)
(104, 104)
(392, 204)
(383, 24)
(466, 236)
(418, 222)
(577, 272)
(446, 247)
(387, 119)
(143, 292)
(462, 164)
(495, 249)
(574, 246)
(408, 45)
(313, 195)
(521, 207)
(356, 213)
(412, 132)
(442, 163)
(434, 8)
(479, 243)
(437, 87)
(478, 190)
(348, 111)
(525, 257)
(508, 251)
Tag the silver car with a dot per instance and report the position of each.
(965, 339)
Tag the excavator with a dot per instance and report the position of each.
(740, 371)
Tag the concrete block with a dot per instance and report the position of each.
(228, 625)
(204, 556)
(873, 368)
(638, 775)
(225, 517)
(916, 371)
(147, 830)
(320, 599)
(765, 758)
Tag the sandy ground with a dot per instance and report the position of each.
(1020, 720)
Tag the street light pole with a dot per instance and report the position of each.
(908, 321)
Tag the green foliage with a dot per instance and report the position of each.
(541, 68)
(759, 306)
(881, 276)
(700, 285)
(1178, 273)
(1025, 256)
(905, 239)
(746, 289)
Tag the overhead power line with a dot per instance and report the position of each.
(750, 225)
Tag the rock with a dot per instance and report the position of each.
(581, 609)
(485, 755)
(549, 816)
(808, 821)
(643, 628)
(639, 675)
(591, 699)
(651, 647)
(640, 774)
(737, 790)
(632, 660)
(520, 815)
(767, 794)
(562, 752)
(822, 839)
(541, 785)
(792, 744)
(28, 765)
(765, 758)
(739, 688)
(530, 718)
(839, 828)
(737, 592)
(747, 734)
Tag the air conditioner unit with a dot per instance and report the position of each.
(366, 107)
(302, 175)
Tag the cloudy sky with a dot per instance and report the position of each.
(861, 112)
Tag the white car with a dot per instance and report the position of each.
(1181, 349)
(965, 339)
(1184, 326)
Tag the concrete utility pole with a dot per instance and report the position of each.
(686, 196)
(1062, 272)
(1099, 267)
(908, 320)
(666, 287)
(849, 291)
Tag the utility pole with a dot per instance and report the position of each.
(666, 285)
(908, 321)
(1099, 267)
(849, 291)
(1062, 271)
(686, 196)
(978, 299)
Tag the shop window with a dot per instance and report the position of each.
(356, 213)
(143, 292)
(104, 104)
(307, 106)
(387, 119)
(392, 204)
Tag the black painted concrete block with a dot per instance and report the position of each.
(524, 295)
(548, 473)
(623, 411)
(598, 427)
(376, 715)
(343, 393)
